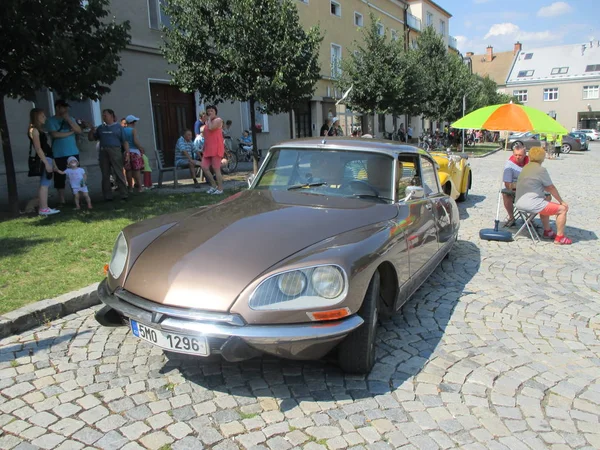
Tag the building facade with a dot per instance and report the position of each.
(563, 81)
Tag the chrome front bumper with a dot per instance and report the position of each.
(226, 331)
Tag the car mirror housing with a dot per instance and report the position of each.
(414, 193)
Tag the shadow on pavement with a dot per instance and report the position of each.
(463, 207)
(17, 350)
(406, 342)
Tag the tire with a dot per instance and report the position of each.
(447, 189)
(231, 165)
(356, 353)
(566, 148)
(465, 195)
(514, 144)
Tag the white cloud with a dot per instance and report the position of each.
(502, 37)
(555, 9)
(502, 29)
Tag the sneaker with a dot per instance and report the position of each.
(211, 190)
(48, 211)
(216, 192)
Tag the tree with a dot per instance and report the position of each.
(385, 78)
(56, 44)
(244, 50)
(485, 93)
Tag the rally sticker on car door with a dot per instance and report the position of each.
(170, 341)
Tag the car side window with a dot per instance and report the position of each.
(408, 174)
(429, 175)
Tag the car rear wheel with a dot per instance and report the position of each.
(357, 352)
(566, 148)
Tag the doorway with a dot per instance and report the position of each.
(173, 111)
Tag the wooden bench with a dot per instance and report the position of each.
(164, 167)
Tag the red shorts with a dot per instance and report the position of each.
(551, 209)
(136, 162)
(211, 161)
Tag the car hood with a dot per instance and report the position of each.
(207, 259)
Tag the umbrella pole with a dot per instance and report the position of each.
(506, 142)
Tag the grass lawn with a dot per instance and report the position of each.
(43, 257)
(481, 149)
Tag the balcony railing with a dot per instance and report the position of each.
(414, 22)
(452, 42)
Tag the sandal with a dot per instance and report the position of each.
(562, 240)
(549, 234)
(509, 223)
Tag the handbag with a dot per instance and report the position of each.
(35, 163)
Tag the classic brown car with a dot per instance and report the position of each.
(330, 234)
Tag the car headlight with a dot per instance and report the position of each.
(119, 257)
(311, 287)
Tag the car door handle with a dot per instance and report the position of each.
(428, 206)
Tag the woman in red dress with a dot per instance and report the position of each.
(214, 150)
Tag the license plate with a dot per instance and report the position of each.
(170, 341)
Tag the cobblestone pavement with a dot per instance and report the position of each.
(499, 349)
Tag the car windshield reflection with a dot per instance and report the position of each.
(364, 175)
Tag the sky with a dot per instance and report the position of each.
(535, 23)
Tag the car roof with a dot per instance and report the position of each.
(352, 144)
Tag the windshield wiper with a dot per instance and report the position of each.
(378, 197)
(306, 185)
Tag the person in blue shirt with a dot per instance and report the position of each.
(246, 142)
(199, 124)
(62, 128)
(111, 137)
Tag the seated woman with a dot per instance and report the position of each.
(246, 142)
(184, 154)
(533, 181)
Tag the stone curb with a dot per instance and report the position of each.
(488, 153)
(41, 312)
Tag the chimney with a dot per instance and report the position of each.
(489, 56)
(518, 48)
(469, 54)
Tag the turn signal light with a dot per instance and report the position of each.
(105, 269)
(334, 314)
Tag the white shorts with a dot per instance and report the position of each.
(80, 189)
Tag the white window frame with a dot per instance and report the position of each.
(159, 15)
(336, 69)
(263, 119)
(551, 94)
(559, 70)
(380, 29)
(358, 19)
(521, 95)
(429, 19)
(591, 92)
(394, 34)
(304, 1)
(442, 27)
(338, 8)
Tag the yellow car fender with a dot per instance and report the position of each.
(444, 178)
(464, 185)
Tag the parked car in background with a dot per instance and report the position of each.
(455, 174)
(581, 138)
(530, 140)
(330, 235)
(592, 133)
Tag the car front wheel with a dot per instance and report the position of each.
(357, 352)
(566, 148)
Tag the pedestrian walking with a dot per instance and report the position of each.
(39, 142)
(111, 138)
(135, 163)
(214, 150)
(62, 128)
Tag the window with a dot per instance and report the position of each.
(560, 70)
(414, 44)
(442, 28)
(336, 9)
(591, 92)
(380, 29)
(525, 73)
(550, 94)
(429, 175)
(593, 68)
(156, 15)
(304, 1)
(528, 55)
(429, 19)
(336, 59)
(261, 119)
(521, 95)
(394, 35)
(358, 19)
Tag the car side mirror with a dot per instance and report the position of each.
(250, 179)
(414, 193)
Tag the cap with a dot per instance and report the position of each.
(334, 120)
(71, 158)
(131, 118)
(61, 102)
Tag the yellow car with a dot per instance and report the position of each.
(455, 174)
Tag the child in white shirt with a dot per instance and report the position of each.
(78, 181)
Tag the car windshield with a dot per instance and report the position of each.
(337, 173)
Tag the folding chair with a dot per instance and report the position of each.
(527, 218)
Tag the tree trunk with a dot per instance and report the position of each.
(291, 117)
(11, 177)
(254, 140)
